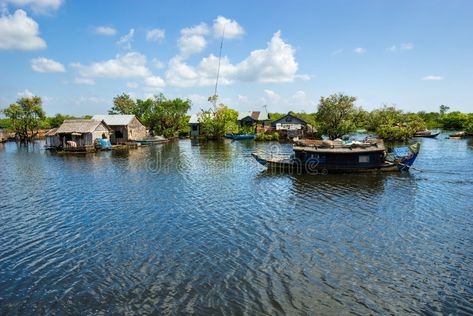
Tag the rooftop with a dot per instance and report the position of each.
(114, 120)
(78, 126)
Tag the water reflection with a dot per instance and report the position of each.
(211, 232)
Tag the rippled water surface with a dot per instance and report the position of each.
(201, 228)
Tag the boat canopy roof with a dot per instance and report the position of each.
(340, 147)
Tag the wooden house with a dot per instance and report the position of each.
(52, 139)
(291, 126)
(254, 118)
(194, 124)
(125, 128)
(80, 135)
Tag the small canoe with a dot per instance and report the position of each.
(240, 136)
(426, 134)
(459, 135)
(152, 141)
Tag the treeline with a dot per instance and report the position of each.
(335, 117)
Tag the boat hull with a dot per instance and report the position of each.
(240, 137)
(427, 136)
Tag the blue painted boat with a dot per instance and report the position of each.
(240, 136)
(322, 157)
(151, 141)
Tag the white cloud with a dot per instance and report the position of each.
(126, 40)
(38, 6)
(192, 40)
(359, 50)
(392, 48)
(300, 99)
(407, 46)
(18, 31)
(122, 66)
(155, 82)
(25, 94)
(336, 52)
(132, 85)
(271, 95)
(155, 35)
(432, 77)
(231, 27)
(276, 63)
(105, 30)
(84, 81)
(157, 63)
(42, 64)
(198, 100)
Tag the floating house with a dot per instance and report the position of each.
(194, 124)
(80, 135)
(124, 128)
(3, 134)
(254, 118)
(291, 126)
(52, 139)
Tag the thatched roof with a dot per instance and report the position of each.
(79, 126)
(51, 132)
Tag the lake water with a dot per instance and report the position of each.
(201, 228)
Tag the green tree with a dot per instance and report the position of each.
(25, 117)
(336, 115)
(123, 104)
(454, 120)
(443, 109)
(214, 123)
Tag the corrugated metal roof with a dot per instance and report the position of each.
(114, 120)
(194, 119)
(78, 126)
(255, 115)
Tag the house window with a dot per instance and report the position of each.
(363, 159)
(104, 136)
(118, 134)
(194, 128)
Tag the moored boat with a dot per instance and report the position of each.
(240, 136)
(151, 141)
(426, 133)
(459, 135)
(315, 157)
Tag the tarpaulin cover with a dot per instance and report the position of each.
(104, 142)
(402, 152)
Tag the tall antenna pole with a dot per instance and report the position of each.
(215, 96)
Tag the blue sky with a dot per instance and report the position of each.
(78, 55)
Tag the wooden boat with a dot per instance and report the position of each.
(240, 136)
(426, 133)
(152, 141)
(459, 135)
(316, 157)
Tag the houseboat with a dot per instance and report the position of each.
(315, 156)
(426, 133)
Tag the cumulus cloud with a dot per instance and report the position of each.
(122, 66)
(276, 63)
(271, 95)
(231, 27)
(84, 81)
(132, 85)
(105, 30)
(192, 40)
(42, 64)
(432, 77)
(155, 82)
(359, 50)
(126, 40)
(37, 6)
(157, 63)
(25, 94)
(155, 35)
(18, 31)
